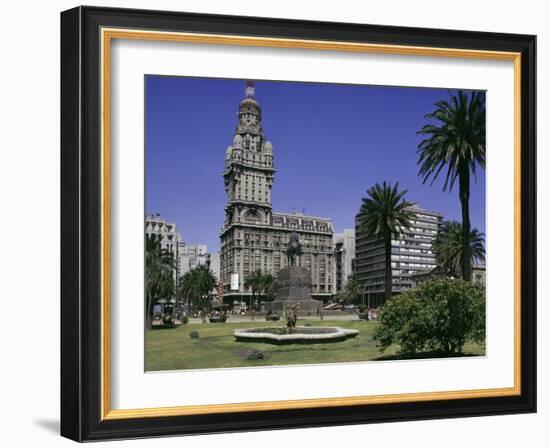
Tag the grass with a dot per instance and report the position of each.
(173, 349)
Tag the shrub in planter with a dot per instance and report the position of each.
(255, 354)
(440, 315)
(184, 320)
(194, 335)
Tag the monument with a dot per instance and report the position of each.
(294, 284)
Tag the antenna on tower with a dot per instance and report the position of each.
(249, 89)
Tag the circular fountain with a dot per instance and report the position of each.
(295, 335)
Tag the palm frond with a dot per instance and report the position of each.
(456, 139)
(449, 247)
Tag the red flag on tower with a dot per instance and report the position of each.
(249, 88)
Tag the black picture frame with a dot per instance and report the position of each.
(81, 224)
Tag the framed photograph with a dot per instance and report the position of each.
(277, 224)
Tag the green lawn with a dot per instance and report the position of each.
(170, 349)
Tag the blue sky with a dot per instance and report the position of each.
(331, 143)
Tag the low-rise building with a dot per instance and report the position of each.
(477, 279)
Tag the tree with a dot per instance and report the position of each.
(190, 289)
(342, 296)
(449, 247)
(351, 292)
(455, 142)
(384, 215)
(159, 268)
(440, 315)
(254, 281)
(186, 287)
(196, 285)
(353, 289)
(268, 287)
(206, 282)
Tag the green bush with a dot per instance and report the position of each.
(255, 354)
(184, 320)
(194, 335)
(440, 315)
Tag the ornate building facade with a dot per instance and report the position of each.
(254, 237)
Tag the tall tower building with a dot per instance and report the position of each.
(249, 167)
(253, 237)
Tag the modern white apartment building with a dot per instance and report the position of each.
(412, 253)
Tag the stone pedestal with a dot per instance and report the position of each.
(294, 286)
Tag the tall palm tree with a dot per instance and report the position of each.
(455, 142)
(449, 248)
(383, 215)
(159, 268)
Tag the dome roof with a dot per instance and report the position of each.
(268, 147)
(249, 103)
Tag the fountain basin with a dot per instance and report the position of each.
(299, 335)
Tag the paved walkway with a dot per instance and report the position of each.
(239, 318)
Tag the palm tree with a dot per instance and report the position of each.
(353, 288)
(206, 282)
(456, 142)
(254, 281)
(449, 248)
(159, 268)
(196, 285)
(268, 286)
(187, 287)
(383, 215)
(351, 292)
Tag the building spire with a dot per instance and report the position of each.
(249, 92)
